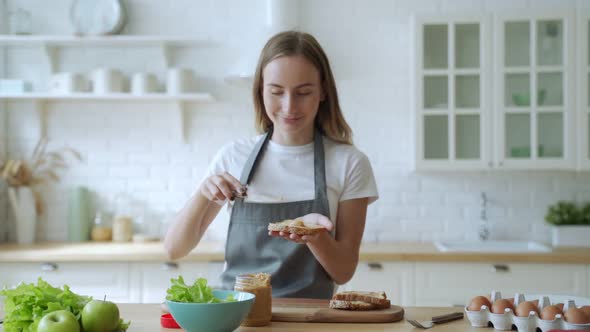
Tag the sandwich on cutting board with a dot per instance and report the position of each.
(354, 300)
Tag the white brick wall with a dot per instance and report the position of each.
(3, 196)
(3, 139)
(132, 149)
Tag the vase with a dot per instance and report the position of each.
(23, 205)
(571, 236)
(79, 215)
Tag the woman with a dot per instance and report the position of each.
(302, 165)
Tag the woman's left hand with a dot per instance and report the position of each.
(312, 218)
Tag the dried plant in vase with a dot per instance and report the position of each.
(43, 167)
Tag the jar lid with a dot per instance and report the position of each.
(254, 279)
(167, 321)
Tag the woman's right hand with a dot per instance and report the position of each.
(221, 187)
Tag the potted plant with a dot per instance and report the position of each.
(571, 224)
(24, 178)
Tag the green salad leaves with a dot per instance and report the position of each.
(198, 292)
(26, 304)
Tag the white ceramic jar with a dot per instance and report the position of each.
(122, 229)
(143, 83)
(65, 83)
(107, 80)
(179, 80)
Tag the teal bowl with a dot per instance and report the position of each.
(212, 317)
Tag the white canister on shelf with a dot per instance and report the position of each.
(144, 83)
(122, 229)
(65, 83)
(107, 80)
(179, 80)
(16, 86)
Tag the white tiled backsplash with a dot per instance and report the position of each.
(133, 148)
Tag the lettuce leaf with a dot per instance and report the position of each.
(26, 304)
(198, 292)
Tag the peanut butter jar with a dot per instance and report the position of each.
(259, 285)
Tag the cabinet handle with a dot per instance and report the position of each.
(497, 268)
(501, 163)
(490, 164)
(168, 266)
(48, 267)
(375, 266)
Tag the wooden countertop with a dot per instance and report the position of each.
(145, 318)
(212, 251)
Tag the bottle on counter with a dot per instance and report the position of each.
(100, 230)
(122, 228)
(79, 216)
(259, 285)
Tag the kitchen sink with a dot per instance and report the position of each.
(491, 246)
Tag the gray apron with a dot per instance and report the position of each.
(294, 270)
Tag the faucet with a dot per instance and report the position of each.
(483, 229)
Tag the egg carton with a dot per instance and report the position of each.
(531, 323)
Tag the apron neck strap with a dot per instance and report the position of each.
(319, 162)
(253, 159)
(319, 166)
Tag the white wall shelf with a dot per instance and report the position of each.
(117, 40)
(186, 97)
(179, 104)
(49, 44)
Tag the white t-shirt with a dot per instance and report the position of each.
(286, 173)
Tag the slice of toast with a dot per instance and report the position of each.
(379, 299)
(296, 226)
(352, 305)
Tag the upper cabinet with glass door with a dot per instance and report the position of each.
(583, 33)
(451, 94)
(534, 102)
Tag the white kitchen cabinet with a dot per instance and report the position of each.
(535, 116)
(444, 284)
(153, 279)
(120, 282)
(452, 99)
(583, 91)
(93, 279)
(406, 284)
(500, 95)
(396, 279)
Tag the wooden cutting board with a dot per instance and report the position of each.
(317, 311)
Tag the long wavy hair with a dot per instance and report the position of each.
(329, 118)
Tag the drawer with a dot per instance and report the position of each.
(92, 279)
(395, 279)
(444, 284)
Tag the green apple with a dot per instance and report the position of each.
(59, 321)
(100, 316)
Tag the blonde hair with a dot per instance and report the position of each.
(329, 117)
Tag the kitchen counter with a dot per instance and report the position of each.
(213, 251)
(145, 318)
